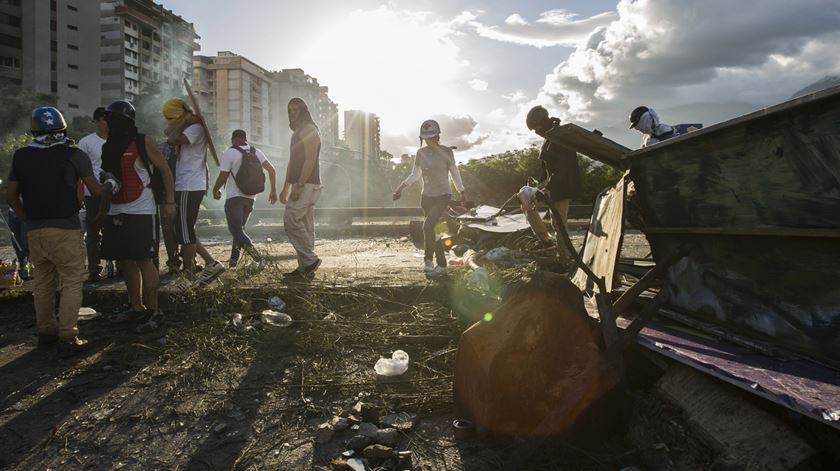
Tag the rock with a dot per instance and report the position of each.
(359, 442)
(388, 465)
(324, 434)
(339, 423)
(353, 420)
(340, 464)
(356, 464)
(347, 453)
(388, 436)
(368, 429)
(399, 421)
(366, 411)
(378, 452)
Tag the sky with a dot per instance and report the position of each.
(478, 66)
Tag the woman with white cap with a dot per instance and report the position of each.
(435, 163)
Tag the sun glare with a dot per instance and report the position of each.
(400, 65)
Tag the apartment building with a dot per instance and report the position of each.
(235, 92)
(361, 134)
(52, 47)
(144, 45)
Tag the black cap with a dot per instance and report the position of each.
(98, 113)
(239, 133)
(636, 115)
(122, 108)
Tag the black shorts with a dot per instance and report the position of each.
(129, 237)
(187, 204)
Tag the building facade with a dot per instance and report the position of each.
(361, 134)
(65, 62)
(144, 46)
(235, 93)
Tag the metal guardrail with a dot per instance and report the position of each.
(348, 214)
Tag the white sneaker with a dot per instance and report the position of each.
(428, 266)
(210, 273)
(181, 285)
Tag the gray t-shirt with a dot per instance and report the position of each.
(80, 167)
(435, 166)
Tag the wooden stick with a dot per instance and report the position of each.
(197, 110)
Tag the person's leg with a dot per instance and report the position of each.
(428, 228)
(232, 217)
(133, 283)
(247, 209)
(168, 236)
(151, 281)
(299, 222)
(45, 283)
(92, 235)
(69, 256)
(562, 208)
(436, 212)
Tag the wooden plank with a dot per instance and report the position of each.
(602, 245)
(593, 145)
(758, 231)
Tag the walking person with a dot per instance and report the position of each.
(302, 188)
(191, 179)
(92, 146)
(240, 172)
(435, 163)
(130, 232)
(42, 190)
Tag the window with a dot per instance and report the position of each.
(11, 41)
(52, 5)
(72, 28)
(73, 47)
(73, 66)
(14, 3)
(52, 66)
(73, 86)
(11, 20)
(53, 45)
(52, 25)
(12, 62)
(72, 8)
(73, 106)
(54, 86)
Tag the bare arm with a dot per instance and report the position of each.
(13, 199)
(220, 182)
(176, 135)
(272, 178)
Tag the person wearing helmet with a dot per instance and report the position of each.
(435, 163)
(42, 189)
(646, 121)
(92, 146)
(186, 132)
(560, 176)
(129, 234)
(302, 189)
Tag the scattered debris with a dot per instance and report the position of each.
(86, 313)
(367, 411)
(388, 436)
(325, 433)
(275, 318)
(378, 452)
(236, 321)
(339, 424)
(394, 366)
(367, 429)
(359, 442)
(400, 421)
(463, 429)
(276, 303)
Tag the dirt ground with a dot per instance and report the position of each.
(202, 394)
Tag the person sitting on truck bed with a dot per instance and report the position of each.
(646, 121)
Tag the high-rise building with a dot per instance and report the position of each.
(52, 47)
(144, 45)
(361, 134)
(235, 93)
(296, 83)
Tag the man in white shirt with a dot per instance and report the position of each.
(238, 205)
(190, 186)
(92, 146)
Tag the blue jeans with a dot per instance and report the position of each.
(237, 211)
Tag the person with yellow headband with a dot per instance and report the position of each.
(187, 133)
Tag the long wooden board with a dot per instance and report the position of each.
(197, 110)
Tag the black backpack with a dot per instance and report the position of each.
(250, 178)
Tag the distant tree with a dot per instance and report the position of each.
(18, 103)
(9, 143)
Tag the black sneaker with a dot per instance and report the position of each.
(295, 274)
(312, 267)
(129, 315)
(153, 323)
(68, 348)
(45, 340)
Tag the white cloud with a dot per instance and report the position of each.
(515, 97)
(552, 28)
(478, 85)
(667, 53)
(497, 114)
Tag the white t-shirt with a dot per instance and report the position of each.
(92, 146)
(231, 161)
(145, 203)
(191, 170)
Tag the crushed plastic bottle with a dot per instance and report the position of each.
(276, 318)
(276, 303)
(394, 366)
(236, 320)
(87, 313)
